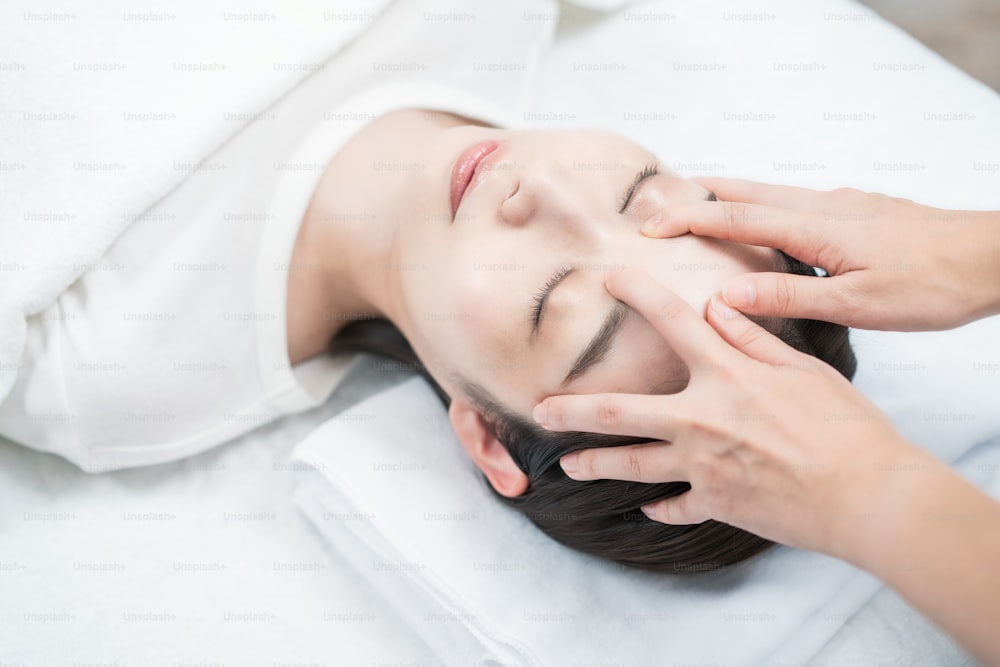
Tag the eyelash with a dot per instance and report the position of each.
(649, 170)
(540, 295)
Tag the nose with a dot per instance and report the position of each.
(542, 197)
(520, 205)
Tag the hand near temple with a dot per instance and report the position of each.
(893, 264)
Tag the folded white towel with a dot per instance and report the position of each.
(106, 108)
(389, 485)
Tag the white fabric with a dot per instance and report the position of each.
(174, 341)
(822, 93)
(105, 113)
(203, 561)
(150, 355)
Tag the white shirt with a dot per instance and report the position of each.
(175, 341)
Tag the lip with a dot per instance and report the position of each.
(465, 168)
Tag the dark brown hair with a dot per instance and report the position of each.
(602, 517)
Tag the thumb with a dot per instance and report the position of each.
(663, 226)
(785, 295)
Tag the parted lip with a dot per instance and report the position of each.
(465, 168)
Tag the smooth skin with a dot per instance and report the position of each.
(778, 443)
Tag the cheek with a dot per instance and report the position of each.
(486, 293)
(467, 308)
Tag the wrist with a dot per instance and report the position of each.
(883, 499)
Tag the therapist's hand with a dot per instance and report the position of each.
(894, 264)
(771, 440)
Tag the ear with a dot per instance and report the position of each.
(485, 450)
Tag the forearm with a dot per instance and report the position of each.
(937, 544)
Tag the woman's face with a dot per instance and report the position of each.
(543, 215)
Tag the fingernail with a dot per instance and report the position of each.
(724, 311)
(540, 414)
(649, 511)
(650, 225)
(740, 294)
(568, 463)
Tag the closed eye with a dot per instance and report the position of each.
(538, 301)
(649, 170)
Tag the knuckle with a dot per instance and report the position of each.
(555, 415)
(784, 294)
(633, 465)
(846, 193)
(749, 336)
(734, 216)
(609, 413)
(851, 299)
(881, 197)
(669, 310)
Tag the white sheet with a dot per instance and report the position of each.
(200, 562)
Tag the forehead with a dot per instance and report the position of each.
(585, 140)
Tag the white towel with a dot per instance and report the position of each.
(389, 485)
(108, 106)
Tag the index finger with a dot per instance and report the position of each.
(768, 194)
(795, 232)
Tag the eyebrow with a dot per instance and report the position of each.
(599, 346)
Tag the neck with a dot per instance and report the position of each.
(341, 268)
